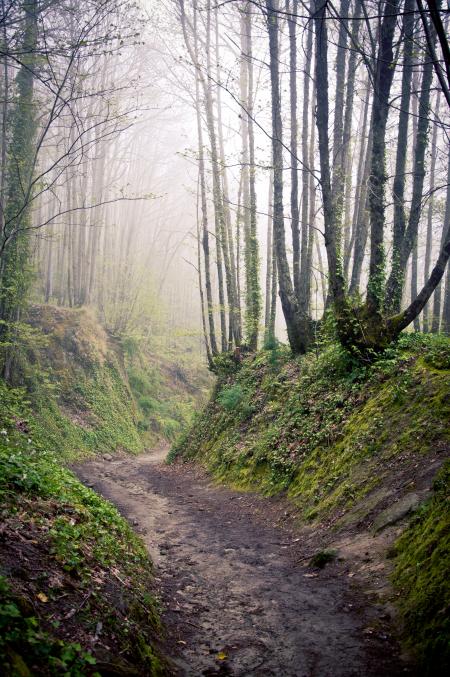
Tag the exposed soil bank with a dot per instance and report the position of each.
(237, 599)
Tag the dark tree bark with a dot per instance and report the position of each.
(331, 214)
(383, 80)
(269, 254)
(295, 216)
(253, 287)
(402, 144)
(402, 252)
(429, 234)
(297, 333)
(307, 177)
(437, 299)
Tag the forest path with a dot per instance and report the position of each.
(235, 600)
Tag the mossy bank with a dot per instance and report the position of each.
(74, 377)
(93, 393)
(75, 583)
(345, 443)
(77, 595)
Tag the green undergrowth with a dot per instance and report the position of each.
(95, 393)
(422, 577)
(74, 579)
(343, 442)
(323, 428)
(168, 387)
(75, 381)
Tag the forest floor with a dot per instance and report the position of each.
(237, 592)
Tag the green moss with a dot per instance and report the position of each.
(422, 566)
(77, 385)
(167, 387)
(330, 434)
(83, 536)
(319, 427)
(322, 558)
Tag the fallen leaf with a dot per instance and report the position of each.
(221, 656)
(42, 597)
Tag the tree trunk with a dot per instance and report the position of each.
(307, 176)
(383, 80)
(331, 214)
(429, 235)
(437, 299)
(295, 217)
(253, 290)
(204, 206)
(347, 135)
(269, 271)
(297, 332)
(338, 148)
(360, 217)
(15, 242)
(394, 287)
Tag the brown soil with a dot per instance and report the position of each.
(68, 607)
(237, 594)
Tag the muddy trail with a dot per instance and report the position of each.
(237, 600)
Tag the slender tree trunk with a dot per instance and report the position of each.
(394, 287)
(4, 138)
(414, 281)
(437, 299)
(307, 176)
(274, 294)
(429, 234)
(253, 289)
(383, 81)
(48, 292)
(402, 143)
(347, 134)
(306, 271)
(338, 148)
(18, 171)
(238, 254)
(297, 332)
(323, 282)
(331, 214)
(200, 280)
(360, 218)
(222, 257)
(269, 271)
(295, 217)
(204, 206)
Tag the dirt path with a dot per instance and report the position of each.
(235, 600)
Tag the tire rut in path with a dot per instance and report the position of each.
(229, 585)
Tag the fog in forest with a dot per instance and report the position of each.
(151, 166)
(224, 337)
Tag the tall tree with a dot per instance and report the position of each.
(297, 327)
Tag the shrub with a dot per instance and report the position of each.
(231, 397)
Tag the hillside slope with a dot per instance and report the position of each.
(75, 583)
(355, 450)
(77, 594)
(92, 393)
